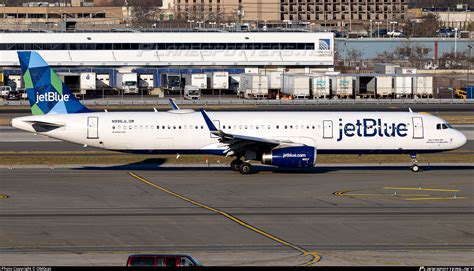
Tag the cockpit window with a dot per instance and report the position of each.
(442, 126)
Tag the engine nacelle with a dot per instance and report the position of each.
(291, 157)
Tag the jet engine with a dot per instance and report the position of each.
(291, 157)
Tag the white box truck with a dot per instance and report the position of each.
(127, 82)
(296, 85)
(342, 86)
(274, 80)
(88, 81)
(253, 86)
(402, 86)
(320, 86)
(423, 86)
(383, 86)
(196, 79)
(219, 80)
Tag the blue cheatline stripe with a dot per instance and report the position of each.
(319, 151)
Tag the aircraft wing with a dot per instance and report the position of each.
(238, 144)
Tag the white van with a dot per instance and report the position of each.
(192, 92)
(5, 90)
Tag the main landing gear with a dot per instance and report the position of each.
(241, 166)
(235, 164)
(414, 167)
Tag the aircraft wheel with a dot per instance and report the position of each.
(235, 164)
(245, 168)
(415, 168)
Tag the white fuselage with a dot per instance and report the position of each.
(185, 131)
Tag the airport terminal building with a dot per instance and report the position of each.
(301, 50)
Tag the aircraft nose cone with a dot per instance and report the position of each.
(462, 139)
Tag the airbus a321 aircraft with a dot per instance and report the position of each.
(282, 139)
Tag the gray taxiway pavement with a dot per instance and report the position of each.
(348, 216)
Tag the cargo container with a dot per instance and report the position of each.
(196, 79)
(383, 86)
(274, 80)
(402, 86)
(296, 85)
(253, 86)
(365, 86)
(342, 86)
(423, 86)
(385, 68)
(127, 82)
(218, 80)
(320, 86)
(145, 81)
(87, 81)
(405, 70)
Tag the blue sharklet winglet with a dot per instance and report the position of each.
(209, 122)
(173, 104)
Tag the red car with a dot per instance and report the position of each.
(172, 260)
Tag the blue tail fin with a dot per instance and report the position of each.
(46, 92)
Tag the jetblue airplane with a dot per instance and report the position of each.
(282, 139)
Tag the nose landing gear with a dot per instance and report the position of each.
(414, 167)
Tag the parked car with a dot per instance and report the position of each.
(172, 260)
(380, 33)
(395, 34)
(445, 32)
(13, 95)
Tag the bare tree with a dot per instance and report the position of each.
(451, 60)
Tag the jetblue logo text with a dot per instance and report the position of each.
(371, 128)
(51, 97)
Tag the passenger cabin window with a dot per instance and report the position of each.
(142, 261)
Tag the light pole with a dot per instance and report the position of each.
(468, 71)
(455, 42)
(370, 28)
(392, 28)
(350, 16)
(190, 23)
(199, 23)
(378, 28)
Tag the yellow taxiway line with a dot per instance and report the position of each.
(315, 256)
(421, 189)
